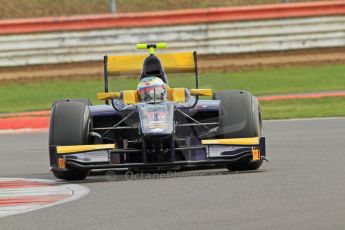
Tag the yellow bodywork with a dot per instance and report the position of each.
(201, 92)
(132, 64)
(108, 95)
(232, 141)
(61, 150)
(177, 95)
(130, 97)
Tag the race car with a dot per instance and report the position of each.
(155, 127)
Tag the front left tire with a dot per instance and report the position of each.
(70, 122)
(239, 117)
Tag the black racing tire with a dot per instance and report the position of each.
(239, 116)
(70, 174)
(70, 122)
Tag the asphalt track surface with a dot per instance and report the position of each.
(302, 187)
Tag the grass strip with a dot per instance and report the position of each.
(40, 95)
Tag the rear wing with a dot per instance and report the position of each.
(132, 64)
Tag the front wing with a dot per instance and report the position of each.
(216, 152)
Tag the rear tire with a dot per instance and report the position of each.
(239, 117)
(70, 122)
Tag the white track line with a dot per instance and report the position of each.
(19, 131)
(306, 119)
(7, 211)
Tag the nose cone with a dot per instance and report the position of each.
(156, 119)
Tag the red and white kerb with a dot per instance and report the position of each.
(19, 195)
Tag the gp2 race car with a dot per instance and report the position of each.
(155, 127)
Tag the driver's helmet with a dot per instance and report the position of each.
(150, 88)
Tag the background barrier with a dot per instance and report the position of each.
(212, 31)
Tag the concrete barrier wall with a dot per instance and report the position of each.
(208, 37)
